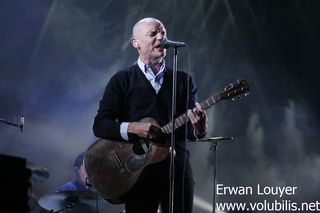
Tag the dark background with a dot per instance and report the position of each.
(57, 56)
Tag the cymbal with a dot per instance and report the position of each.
(38, 173)
(74, 201)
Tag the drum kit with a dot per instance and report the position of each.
(72, 201)
(66, 201)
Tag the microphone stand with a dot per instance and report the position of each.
(95, 192)
(173, 113)
(213, 148)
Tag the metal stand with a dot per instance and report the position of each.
(14, 124)
(173, 113)
(213, 148)
(89, 186)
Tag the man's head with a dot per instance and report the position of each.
(79, 161)
(147, 35)
(80, 169)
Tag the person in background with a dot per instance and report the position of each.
(57, 201)
(81, 181)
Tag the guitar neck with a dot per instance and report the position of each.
(182, 119)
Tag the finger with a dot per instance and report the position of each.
(191, 116)
(147, 130)
(199, 107)
(201, 111)
(196, 113)
(194, 117)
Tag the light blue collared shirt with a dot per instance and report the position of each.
(156, 82)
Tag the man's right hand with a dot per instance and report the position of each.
(145, 130)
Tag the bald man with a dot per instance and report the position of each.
(144, 90)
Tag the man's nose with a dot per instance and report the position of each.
(160, 36)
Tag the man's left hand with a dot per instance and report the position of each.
(199, 120)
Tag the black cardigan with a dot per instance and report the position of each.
(129, 97)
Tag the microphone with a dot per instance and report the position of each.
(21, 123)
(174, 44)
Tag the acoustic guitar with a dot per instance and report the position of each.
(113, 167)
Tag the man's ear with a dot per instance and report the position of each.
(134, 43)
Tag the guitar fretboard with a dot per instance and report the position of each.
(182, 119)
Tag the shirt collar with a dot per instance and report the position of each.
(144, 67)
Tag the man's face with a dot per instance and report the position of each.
(82, 174)
(147, 38)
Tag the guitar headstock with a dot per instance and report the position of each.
(235, 89)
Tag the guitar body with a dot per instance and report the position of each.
(113, 167)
